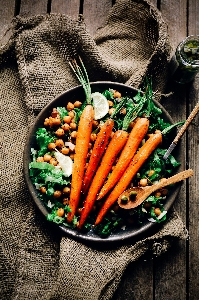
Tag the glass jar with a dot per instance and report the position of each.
(187, 60)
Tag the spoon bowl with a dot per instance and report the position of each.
(134, 196)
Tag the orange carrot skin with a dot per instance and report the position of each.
(81, 151)
(138, 160)
(98, 150)
(135, 137)
(116, 144)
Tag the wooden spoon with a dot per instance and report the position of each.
(143, 192)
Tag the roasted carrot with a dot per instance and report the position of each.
(115, 146)
(81, 151)
(82, 141)
(135, 137)
(136, 163)
(97, 152)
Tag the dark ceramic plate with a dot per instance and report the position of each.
(70, 95)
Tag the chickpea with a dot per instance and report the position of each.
(157, 211)
(59, 132)
(57, 194)
(53, 161)
(110, 103)
(42, 189)
(60, 212)
(131, 125)
(123, 111)
(72, 156)
(65, 201)
(47, 157)
(51, 146)
(143, 182)
(164, 192)
(59, 143)
(65, 127)
(51, 121)
(71, 114)
(111, 111)
(54, 113)
(67, 119)
(40, 159)
(157, 194)
(93, 137)
(56, 121)
(117, 94)
(147, 205)
(46, 122)
(66, 190)
(73, 125)
(65, 150)
(95, 123)
(151, 172)
(70, 106)
(77, 104)
(73, 134)
(79, 211)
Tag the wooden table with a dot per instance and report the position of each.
(175, 275)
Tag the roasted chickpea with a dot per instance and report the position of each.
(111, 111)
(59, 143)
(95, 123)
(56, 121)
(147, 205)
(65, 150)
(67, 119)
(117, 94)
(143, 182)
(54, 113)
(51, 146)
(46, 122)
(57, 194)
(110, 103)
(123, 111)
(40, 159)
(73, 125)
(93, 137)
(60, 212)
(66, 190)
(70, 106)
(42, 189)
(65, 201)
(47, 157)
(157, 211)
(72, 156)
(53, 161)
(151, 172)
(73, 134)
(59, 132)
(77, 104)
(157, 194)
(65, 127)
(71, 114)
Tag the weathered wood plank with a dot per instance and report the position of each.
(173, 265)
(70, 7)
(175, 13)
(30, 8)
(193, 158)
(95, 13)
(7, 11)
(193, 21)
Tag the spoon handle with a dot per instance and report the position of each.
(173, 179)
(186, 124)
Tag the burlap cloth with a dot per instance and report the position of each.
(37, 262)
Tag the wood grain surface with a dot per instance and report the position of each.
(175, 275)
